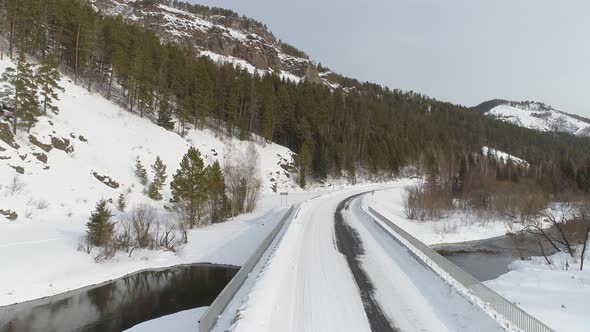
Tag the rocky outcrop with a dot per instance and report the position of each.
(37, 143)
(9, 214)
(7, 137)
(107, 180)
(236, 37)
(61, 143)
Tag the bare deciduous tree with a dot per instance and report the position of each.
(241, 171)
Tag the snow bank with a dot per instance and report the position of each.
(559, 295)
(183, 321)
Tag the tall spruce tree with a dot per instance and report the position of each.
(140, 172)
(217, 195)
(155, 188)
(48, 83)
(100, 229)
(189, 186)
(165, 112)
(19, 92)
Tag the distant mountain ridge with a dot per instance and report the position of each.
(535, 115)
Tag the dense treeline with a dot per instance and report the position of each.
(363, 126)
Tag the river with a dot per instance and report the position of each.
(120, 304)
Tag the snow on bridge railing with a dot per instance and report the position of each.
(510, 313)
(210, 317)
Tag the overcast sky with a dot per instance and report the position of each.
(463, 51)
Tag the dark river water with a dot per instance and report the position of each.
(120, 304)
(482, 265)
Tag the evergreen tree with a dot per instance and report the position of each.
(19, 93)
(155, 188)
(48, 83)
(164, 113)
(189, 186)
(305, 159)
(217, 195)
(140, 172)
(121, 203)
(99, 227)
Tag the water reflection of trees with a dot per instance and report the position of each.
(120, 304)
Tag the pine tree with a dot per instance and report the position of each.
(19, 93)
(99, 227)
(189, 186)
(164, 113)
(155, 188)
(121, 203)
(48, 82)
(217, 195)
(140, 172)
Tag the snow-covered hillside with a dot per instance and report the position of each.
(92, 138)
(52, 178)
(537, 116)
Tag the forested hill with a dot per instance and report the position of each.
(334, 130)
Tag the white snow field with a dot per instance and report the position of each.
(457, 227)
(307, 284)
(557, 294)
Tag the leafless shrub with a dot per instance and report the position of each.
(241, 171)
(123, 239)
(143, 218)
(519, 205)
(412, 204)
(422, 204)
(582, 210)
(15, 186)
(558, 217)
(167, 237)
(28, 214)
(84, 245)
(107, 251)
(41, 205)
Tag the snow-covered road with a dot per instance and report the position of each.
(318, 281)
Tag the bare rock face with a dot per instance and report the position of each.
(18, 169)
(42, 157)
(61, 143)
(7, 137)
(9, 214)
(37, 143)
(236, 37)
(106, 180)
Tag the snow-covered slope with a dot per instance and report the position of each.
(93, 138)
(52, 177)
(537, 116)
(503, 156)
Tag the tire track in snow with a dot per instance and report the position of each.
(350, 245)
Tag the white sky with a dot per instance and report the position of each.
(463, 51)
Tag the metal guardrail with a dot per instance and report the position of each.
(511, 313)
(209, 318)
